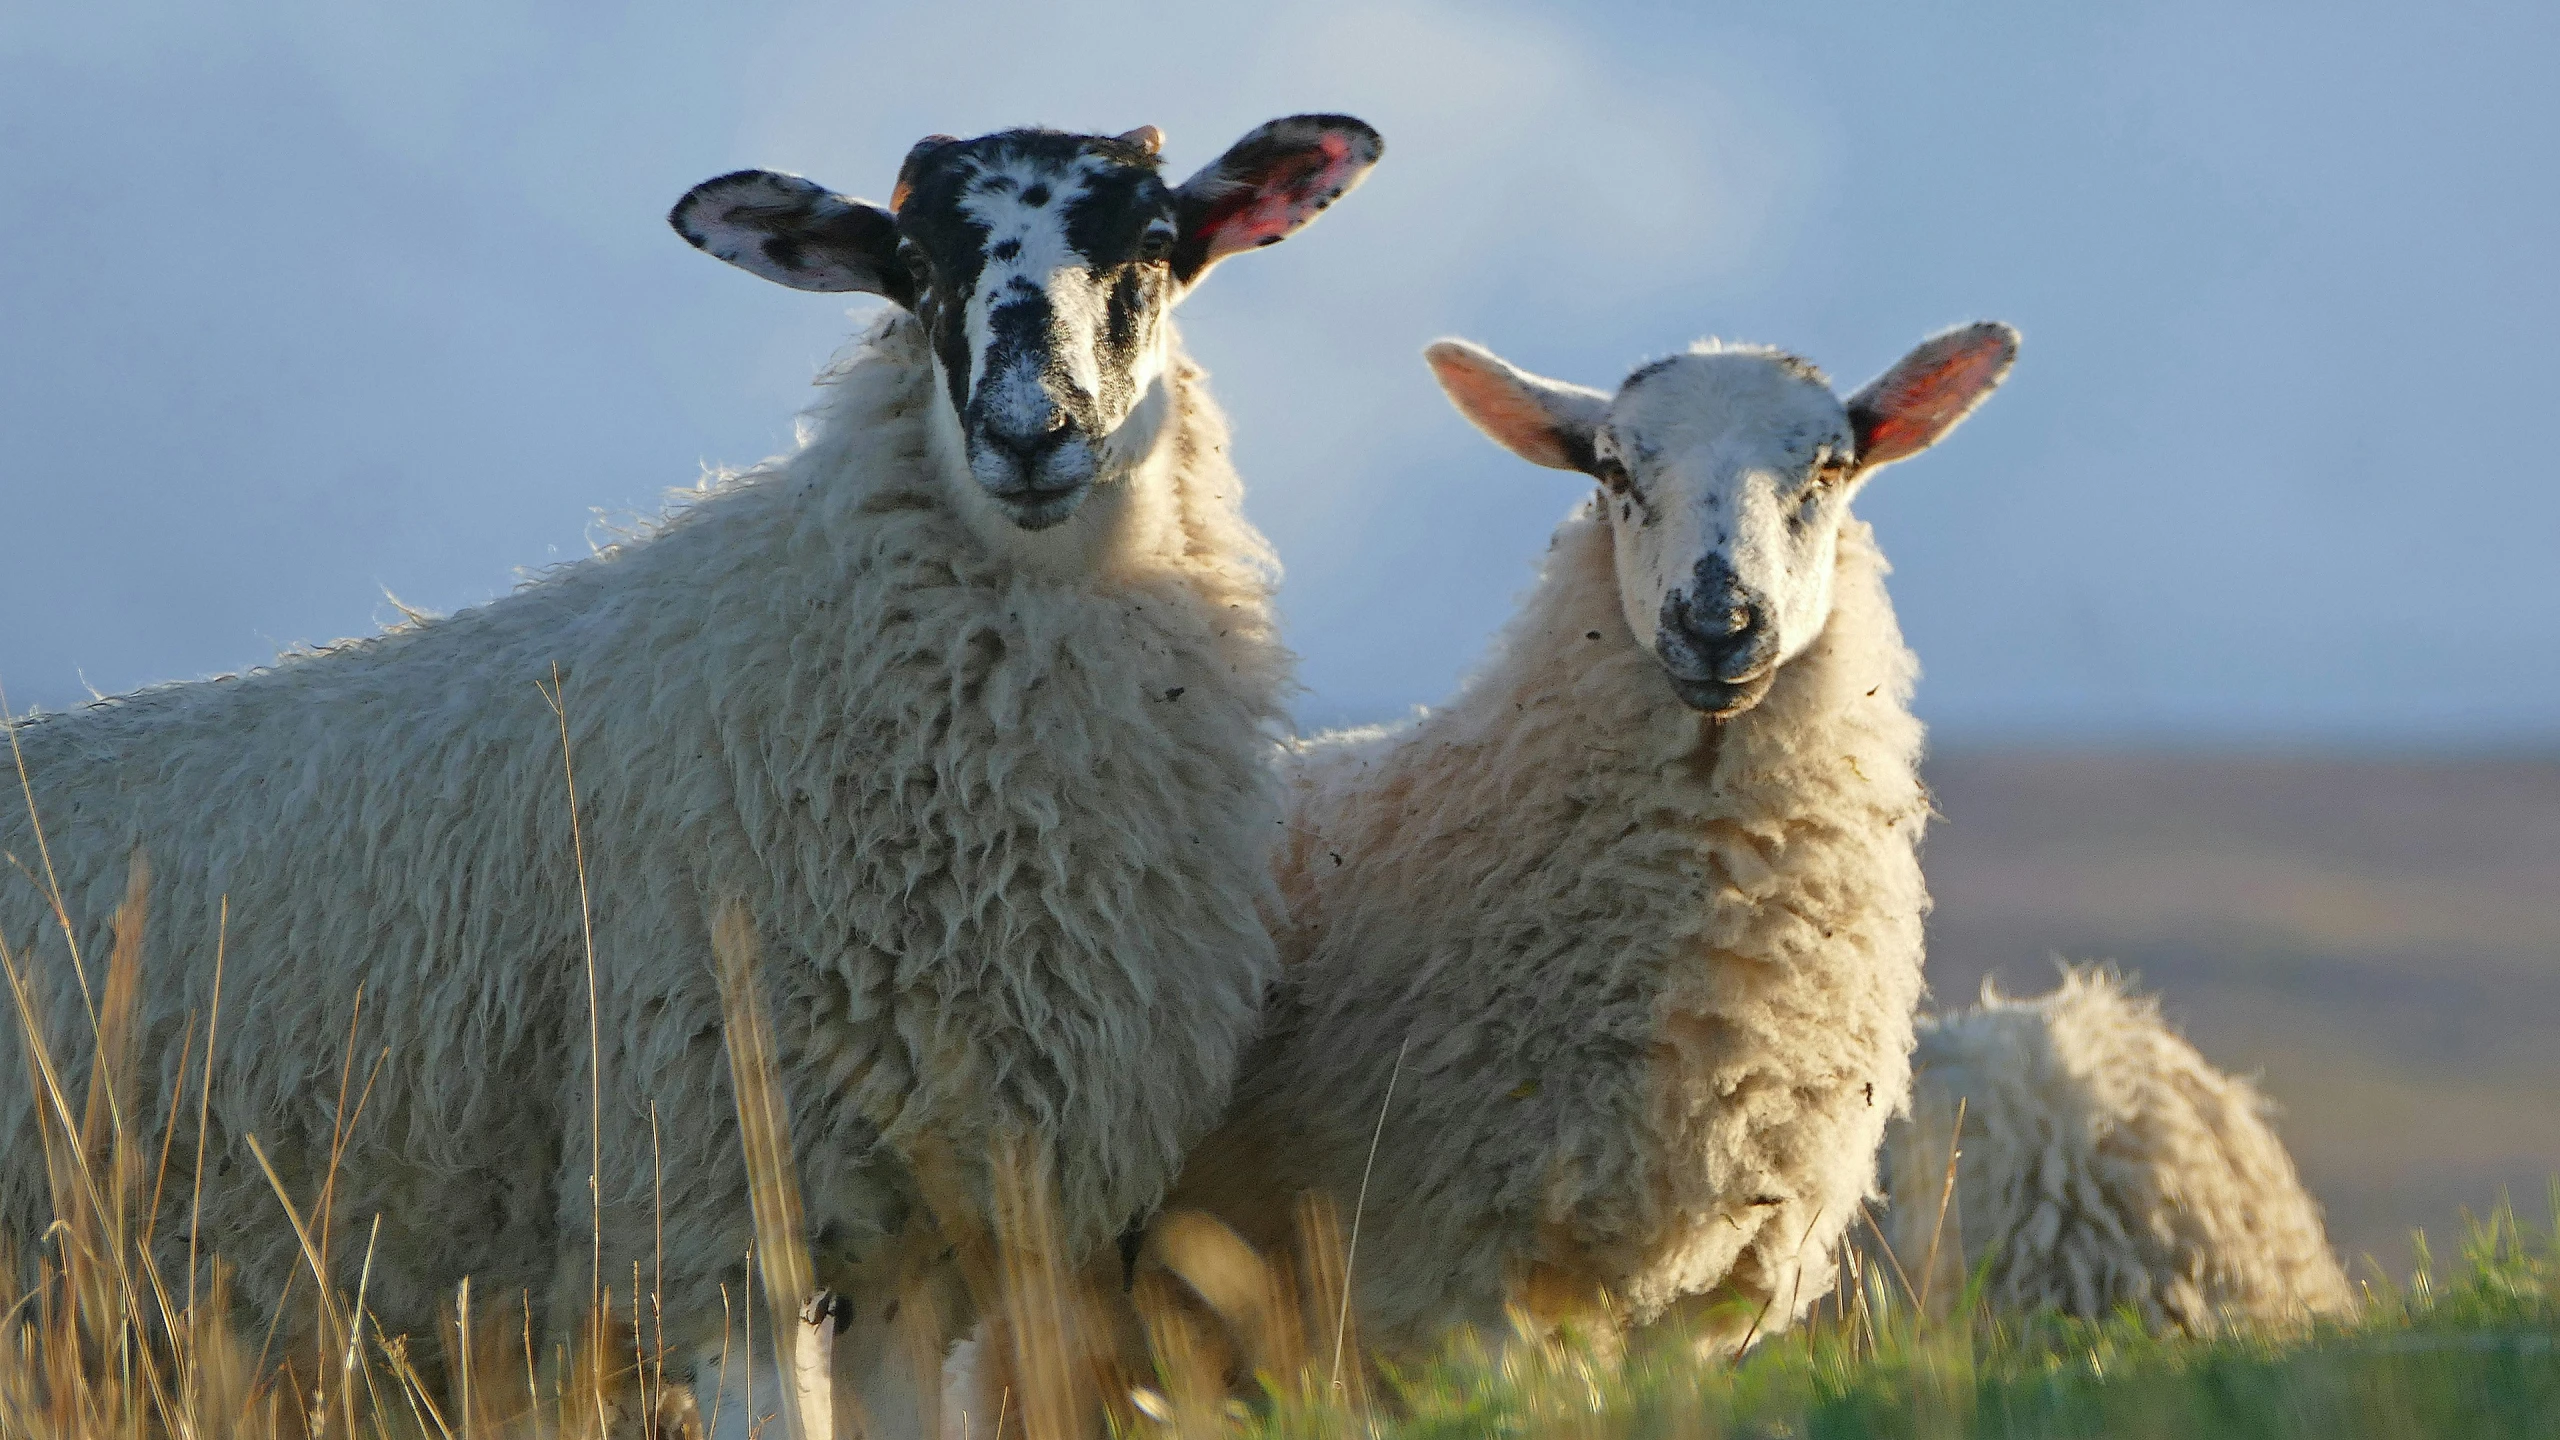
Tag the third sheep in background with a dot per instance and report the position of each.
(2104, 1166)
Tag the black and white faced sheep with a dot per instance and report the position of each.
(1639, 911)
(968, 700)
(2103, 1165)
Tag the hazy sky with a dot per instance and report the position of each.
(304, 303)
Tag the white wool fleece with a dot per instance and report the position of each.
(1002, 829)
(2104, 1164)
(1658, 975)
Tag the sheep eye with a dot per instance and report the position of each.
(1155, 245)
(1831, 466)
(1613, 474)
(917, 265)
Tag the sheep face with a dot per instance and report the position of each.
(1726, 472)
(1043, 266)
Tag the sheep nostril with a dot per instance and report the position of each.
(1723, 640)
(1028, 446)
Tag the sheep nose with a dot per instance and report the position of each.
(1725, 636)
(1025, 444)
(1716, 636)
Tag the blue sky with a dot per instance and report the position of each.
(330, 301)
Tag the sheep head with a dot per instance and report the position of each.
(1725, 473)
(1043, 266)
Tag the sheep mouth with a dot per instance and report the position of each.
(1718, 699)
(1034, 508)
(1039, 489)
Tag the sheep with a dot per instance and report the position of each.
(2103, 1165)
(1612, 963)
(968, 700)
(1633, 927)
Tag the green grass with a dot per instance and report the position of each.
(2469, 1348)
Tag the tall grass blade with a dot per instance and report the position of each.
(773, 1185)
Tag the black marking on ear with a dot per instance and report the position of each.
(794, 232)
(1300, 163)
(1577, 447)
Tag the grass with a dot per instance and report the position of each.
(2467, 1349)
(98, 1343)
(102, 1345)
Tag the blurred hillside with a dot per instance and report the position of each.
(2380, 939)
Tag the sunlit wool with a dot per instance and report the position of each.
(2104, 1165)
(1657, 976)
(1002, 828)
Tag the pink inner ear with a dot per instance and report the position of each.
(1501, 410)
(1266, 205)
(1913, 407)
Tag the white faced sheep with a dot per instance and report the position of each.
(1623, 946)
(968, 701)
(2103, 1165)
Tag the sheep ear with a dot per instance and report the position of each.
(1545, 422)
(1912, 406)
(794, 232)
(1267, 186)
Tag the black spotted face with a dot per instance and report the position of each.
(1042, 269)
(1043, 266)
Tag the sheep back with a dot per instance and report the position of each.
(2104, 1165)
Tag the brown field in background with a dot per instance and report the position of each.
(2379, 940)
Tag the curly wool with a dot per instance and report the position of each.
(1002, 832)
(2104, 1165)
(1651, 978)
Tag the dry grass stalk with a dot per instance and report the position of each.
(97, 1345)
(773, 1184)
(1351, 1252)
(1327, 1258)
(1193, 1365)
(553, 696)
(1041, 1310)
(923, 1336)
(1937, 1227)
(93, 1169)
(106, 1141)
